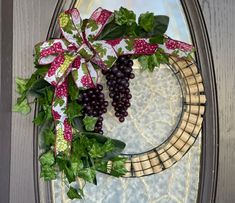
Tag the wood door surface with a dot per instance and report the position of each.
(25, 22)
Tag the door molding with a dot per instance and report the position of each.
(6, 47)
(210, 130)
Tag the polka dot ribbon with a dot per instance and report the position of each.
(77, 51)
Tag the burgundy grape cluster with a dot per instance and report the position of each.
(95, 105)
(118, 77)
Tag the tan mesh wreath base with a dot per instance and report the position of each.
(187, 130)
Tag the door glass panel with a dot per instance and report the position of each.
(161, 96)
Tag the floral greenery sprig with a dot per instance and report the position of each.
(89, 152)
(149, 25)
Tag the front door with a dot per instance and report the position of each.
(204, 174)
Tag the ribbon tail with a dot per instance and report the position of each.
(62, 127)
(142, 46)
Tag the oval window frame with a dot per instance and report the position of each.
(210, 128)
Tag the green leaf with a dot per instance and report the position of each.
(65, 165)
(22, 106)
(38, 87)
(76, 166)
(47, 158)
(40, 119)
(48, 111)
(21, 85)
(74, 110)
(72, 88)
(48, 173)
(148, 62)
(160, 25)
(88, 174)
(118, 145)
(146, 21)
(102, 165)
(158, 39)
(89, 122)
(134, 30)
(96, 151)
(73, 193)
(49, 137)
(79, 147)
(124, 16)
(118, 166)
(77, 124)
(112, 31)
(143, 60)
(99, 150)
(108, 146)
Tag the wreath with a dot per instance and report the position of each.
(71, 102)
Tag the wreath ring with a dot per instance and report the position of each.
(187, 130)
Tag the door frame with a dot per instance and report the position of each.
(6, 47)
(210, 129)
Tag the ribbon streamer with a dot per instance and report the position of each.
(76, 53)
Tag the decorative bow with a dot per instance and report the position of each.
(76, 53)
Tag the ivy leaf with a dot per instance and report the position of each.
(146, 21)
(134, 30)
(40, 119)
(89, 122)
(72, 88)
(88, 174)
(99, 150)
(161, 57)
(49, 137)
(124, 16)
(148, 62)
(76, 166)
(96, 151)
(73, 193)
(118, 166)
(47, 159)
(77, 124)
(108, 146)
(79, 147)
(65, 165)
(48, 173)
(22, 106)
(74, 110)
(117, 145)
(38, 87)
(102, 165)
(41, 70)
(21, 85)
(112, 31)
(157, 39)
(48, 112)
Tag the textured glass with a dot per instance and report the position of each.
(155, 111)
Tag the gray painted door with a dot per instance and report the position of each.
(24, 22)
